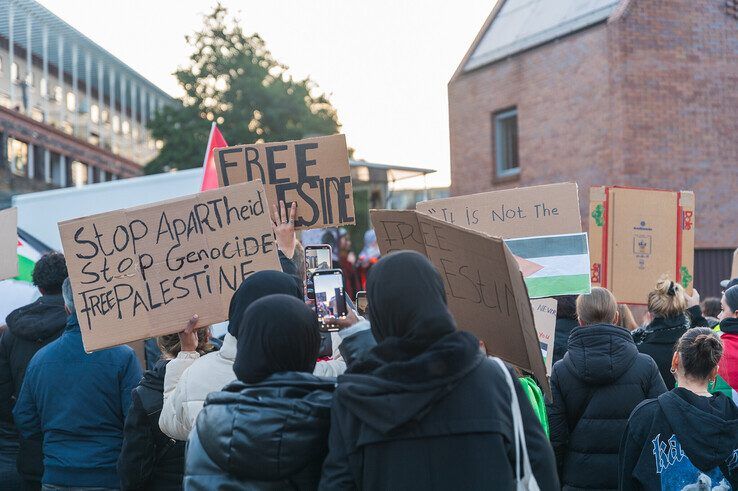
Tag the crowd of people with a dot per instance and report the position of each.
(398, 399)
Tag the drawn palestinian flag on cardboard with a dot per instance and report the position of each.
(553, 264)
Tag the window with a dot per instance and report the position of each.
(105, 115)
(116, 123)
(29, 78)
(95, 113)
(159, 144)
(57, 93)
(126, 127)
(506, 143)
(71, 101)
(18, 157)
(14, 71)
(79, 173)
(43, 87)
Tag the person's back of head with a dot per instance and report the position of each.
(597, 307)
(170, 346)
(49, 273)
(697, 355)
(566, 307)
(626, 319)
(729, 303)
(711, 307)
(667, 299)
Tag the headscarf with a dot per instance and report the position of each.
(256, 286)
(277, 333)
(371, 248)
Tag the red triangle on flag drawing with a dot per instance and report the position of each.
(527, 267)
(210, 175)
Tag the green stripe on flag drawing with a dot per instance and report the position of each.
(549, 286)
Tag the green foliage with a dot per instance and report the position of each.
(234, 80)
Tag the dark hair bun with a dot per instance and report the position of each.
(709, 347)
(700, 350)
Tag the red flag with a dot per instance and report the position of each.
(210, 176)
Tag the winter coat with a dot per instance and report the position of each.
(595, 387)
(659, 338)
(149, 459)
(78, 402)
(268, 435)
(460, 440)
(30, 328)
(188, 380)
(561, 337)
(681, 441)
(729, 362)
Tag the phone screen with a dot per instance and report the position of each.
(361, 303)
(317, 258)
(329, 296)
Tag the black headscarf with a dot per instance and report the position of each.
(420, 356)
(278, 333)
(256, 286)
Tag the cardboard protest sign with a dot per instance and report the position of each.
(553, 264)
(8, 243)
(544, 317)
(522, 212)
(314, 172)
(734, 269)
(637, 235)
(484, 287)
(143, 272)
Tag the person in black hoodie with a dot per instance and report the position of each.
(673, 313)
(686, 439)
(268, 429)
(30, 328)
(149, 459)
(566, 320)
(425, 408)
(595, 387)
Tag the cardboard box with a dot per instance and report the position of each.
(314, 172)
(485, 290)
(142, 272)
(636, 235)
(551, 209)
(8, 243)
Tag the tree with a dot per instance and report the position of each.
(233, 79)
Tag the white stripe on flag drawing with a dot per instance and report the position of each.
(561, 265)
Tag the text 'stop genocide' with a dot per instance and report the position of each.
(313, 172)
(188, 254)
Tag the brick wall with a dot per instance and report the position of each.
(648, 99)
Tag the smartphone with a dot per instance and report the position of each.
(330, 300)
(361, 303)
(317, 257)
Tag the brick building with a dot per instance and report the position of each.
(623, 92)
(70, 112)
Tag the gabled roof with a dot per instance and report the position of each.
(518, 25)
(41, 18)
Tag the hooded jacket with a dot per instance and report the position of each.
(681, 441)
(729, 362)
(424, 408)
(601, 379)
(658, 340)
(30, 328)
(149, 459)
(78, 402)
(268, 435)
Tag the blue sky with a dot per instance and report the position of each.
(384, 63)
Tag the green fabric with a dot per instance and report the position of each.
(720, 386)
(25, 269)
(535, 396)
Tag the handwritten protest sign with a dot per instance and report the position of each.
(485, 289)
(510, 213)
(144, 271)
(314, 172)
(544, 317)
(8, 243)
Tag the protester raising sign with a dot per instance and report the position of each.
(521, 212)
(144, 271)
(485, 289)
(314, 172)
(8, 243)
